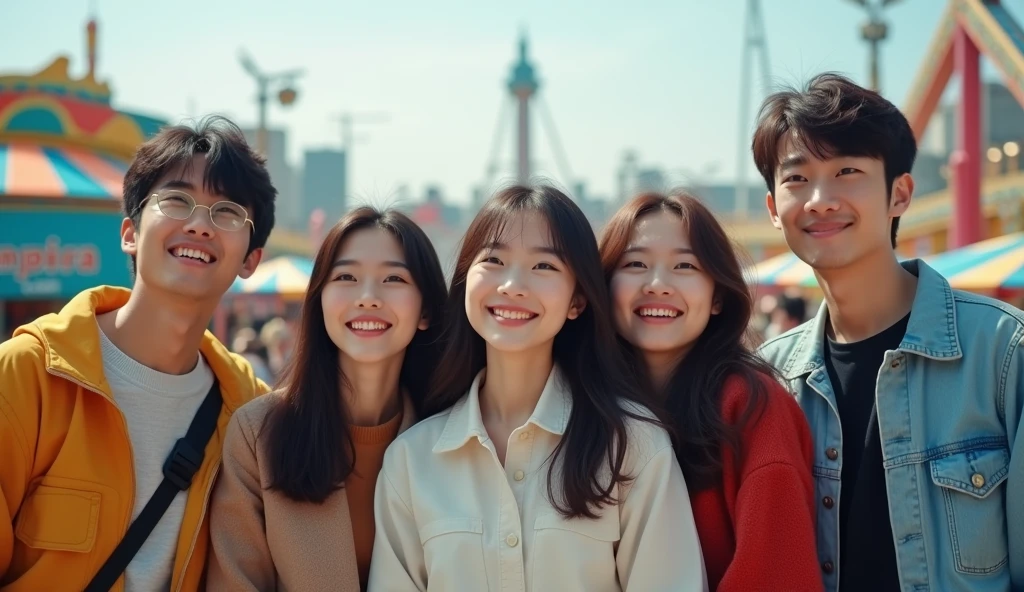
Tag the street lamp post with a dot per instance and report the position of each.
(286, 93)
(874, 31)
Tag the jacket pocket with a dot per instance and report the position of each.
(974, 494)
(449, 526)
(575, 550)
(604, 528)
(59, 519)
(453, 553)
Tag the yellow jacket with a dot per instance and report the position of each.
(67, 484)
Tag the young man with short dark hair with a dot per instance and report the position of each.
(913, 390)
(94, 399)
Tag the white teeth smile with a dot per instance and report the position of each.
(658, 312)
(191, 254)
(368, 326)
(512, 314)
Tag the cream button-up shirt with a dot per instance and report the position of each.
(450, 517)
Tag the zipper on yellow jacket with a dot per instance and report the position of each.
(119, 584)
(195, 535)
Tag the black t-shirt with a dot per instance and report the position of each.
(867, 554)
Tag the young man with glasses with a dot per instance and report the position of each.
(118, 402)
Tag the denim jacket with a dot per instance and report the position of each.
(949, 405)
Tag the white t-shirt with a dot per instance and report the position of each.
(158, 408)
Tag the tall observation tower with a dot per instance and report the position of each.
(522, 85)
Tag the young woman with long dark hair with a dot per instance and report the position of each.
(293, 508)
(682, 308)
(540, 469)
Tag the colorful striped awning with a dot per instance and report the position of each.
(993, 265)
(285, 276)
(782, 271)
(29, 170)
(789, 271)
(996, 264)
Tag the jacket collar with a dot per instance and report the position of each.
(465, 421)
(931, 330)
(71, 341)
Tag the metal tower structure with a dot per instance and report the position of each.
(967, 30)
(522, 85)
(754, 40)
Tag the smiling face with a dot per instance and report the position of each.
(519, 292)
(191, 258)
(372, 306)
(838, 211)
(663, 300)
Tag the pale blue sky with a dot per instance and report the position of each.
(659, 76)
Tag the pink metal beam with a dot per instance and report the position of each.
(920, 114)
(965, 162)
(933, 75)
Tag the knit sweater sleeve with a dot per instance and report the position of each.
(774, 511)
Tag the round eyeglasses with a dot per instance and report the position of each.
(226, 215)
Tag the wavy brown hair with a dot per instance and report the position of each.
(311, 451)
(693, 394)
(585, 350)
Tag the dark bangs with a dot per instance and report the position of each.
(833, 117)
(494, 221)
(233, 169)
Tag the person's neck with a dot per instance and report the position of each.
(159, 331)
(513, 384)
(661, 365)
(370, 392)
(867, 297)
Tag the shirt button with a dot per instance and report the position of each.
(978, 480)
(832, 453)
(828, 502)
(827, 567)
(518, 475)
(524, 435)
(512, 540)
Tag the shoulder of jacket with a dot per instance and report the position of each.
(253, 414)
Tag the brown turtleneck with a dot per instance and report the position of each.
(370, 444)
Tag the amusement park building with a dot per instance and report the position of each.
(64, 151)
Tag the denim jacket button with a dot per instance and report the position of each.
(832, 453)
(827, 567)
(828, 502)
(895, 363)
(978, 480)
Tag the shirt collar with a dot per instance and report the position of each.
(466, 422)
(931, 330)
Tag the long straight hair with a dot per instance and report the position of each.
(693, 397)
(584, 349)
(311, 451)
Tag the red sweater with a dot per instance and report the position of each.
(757, 529)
